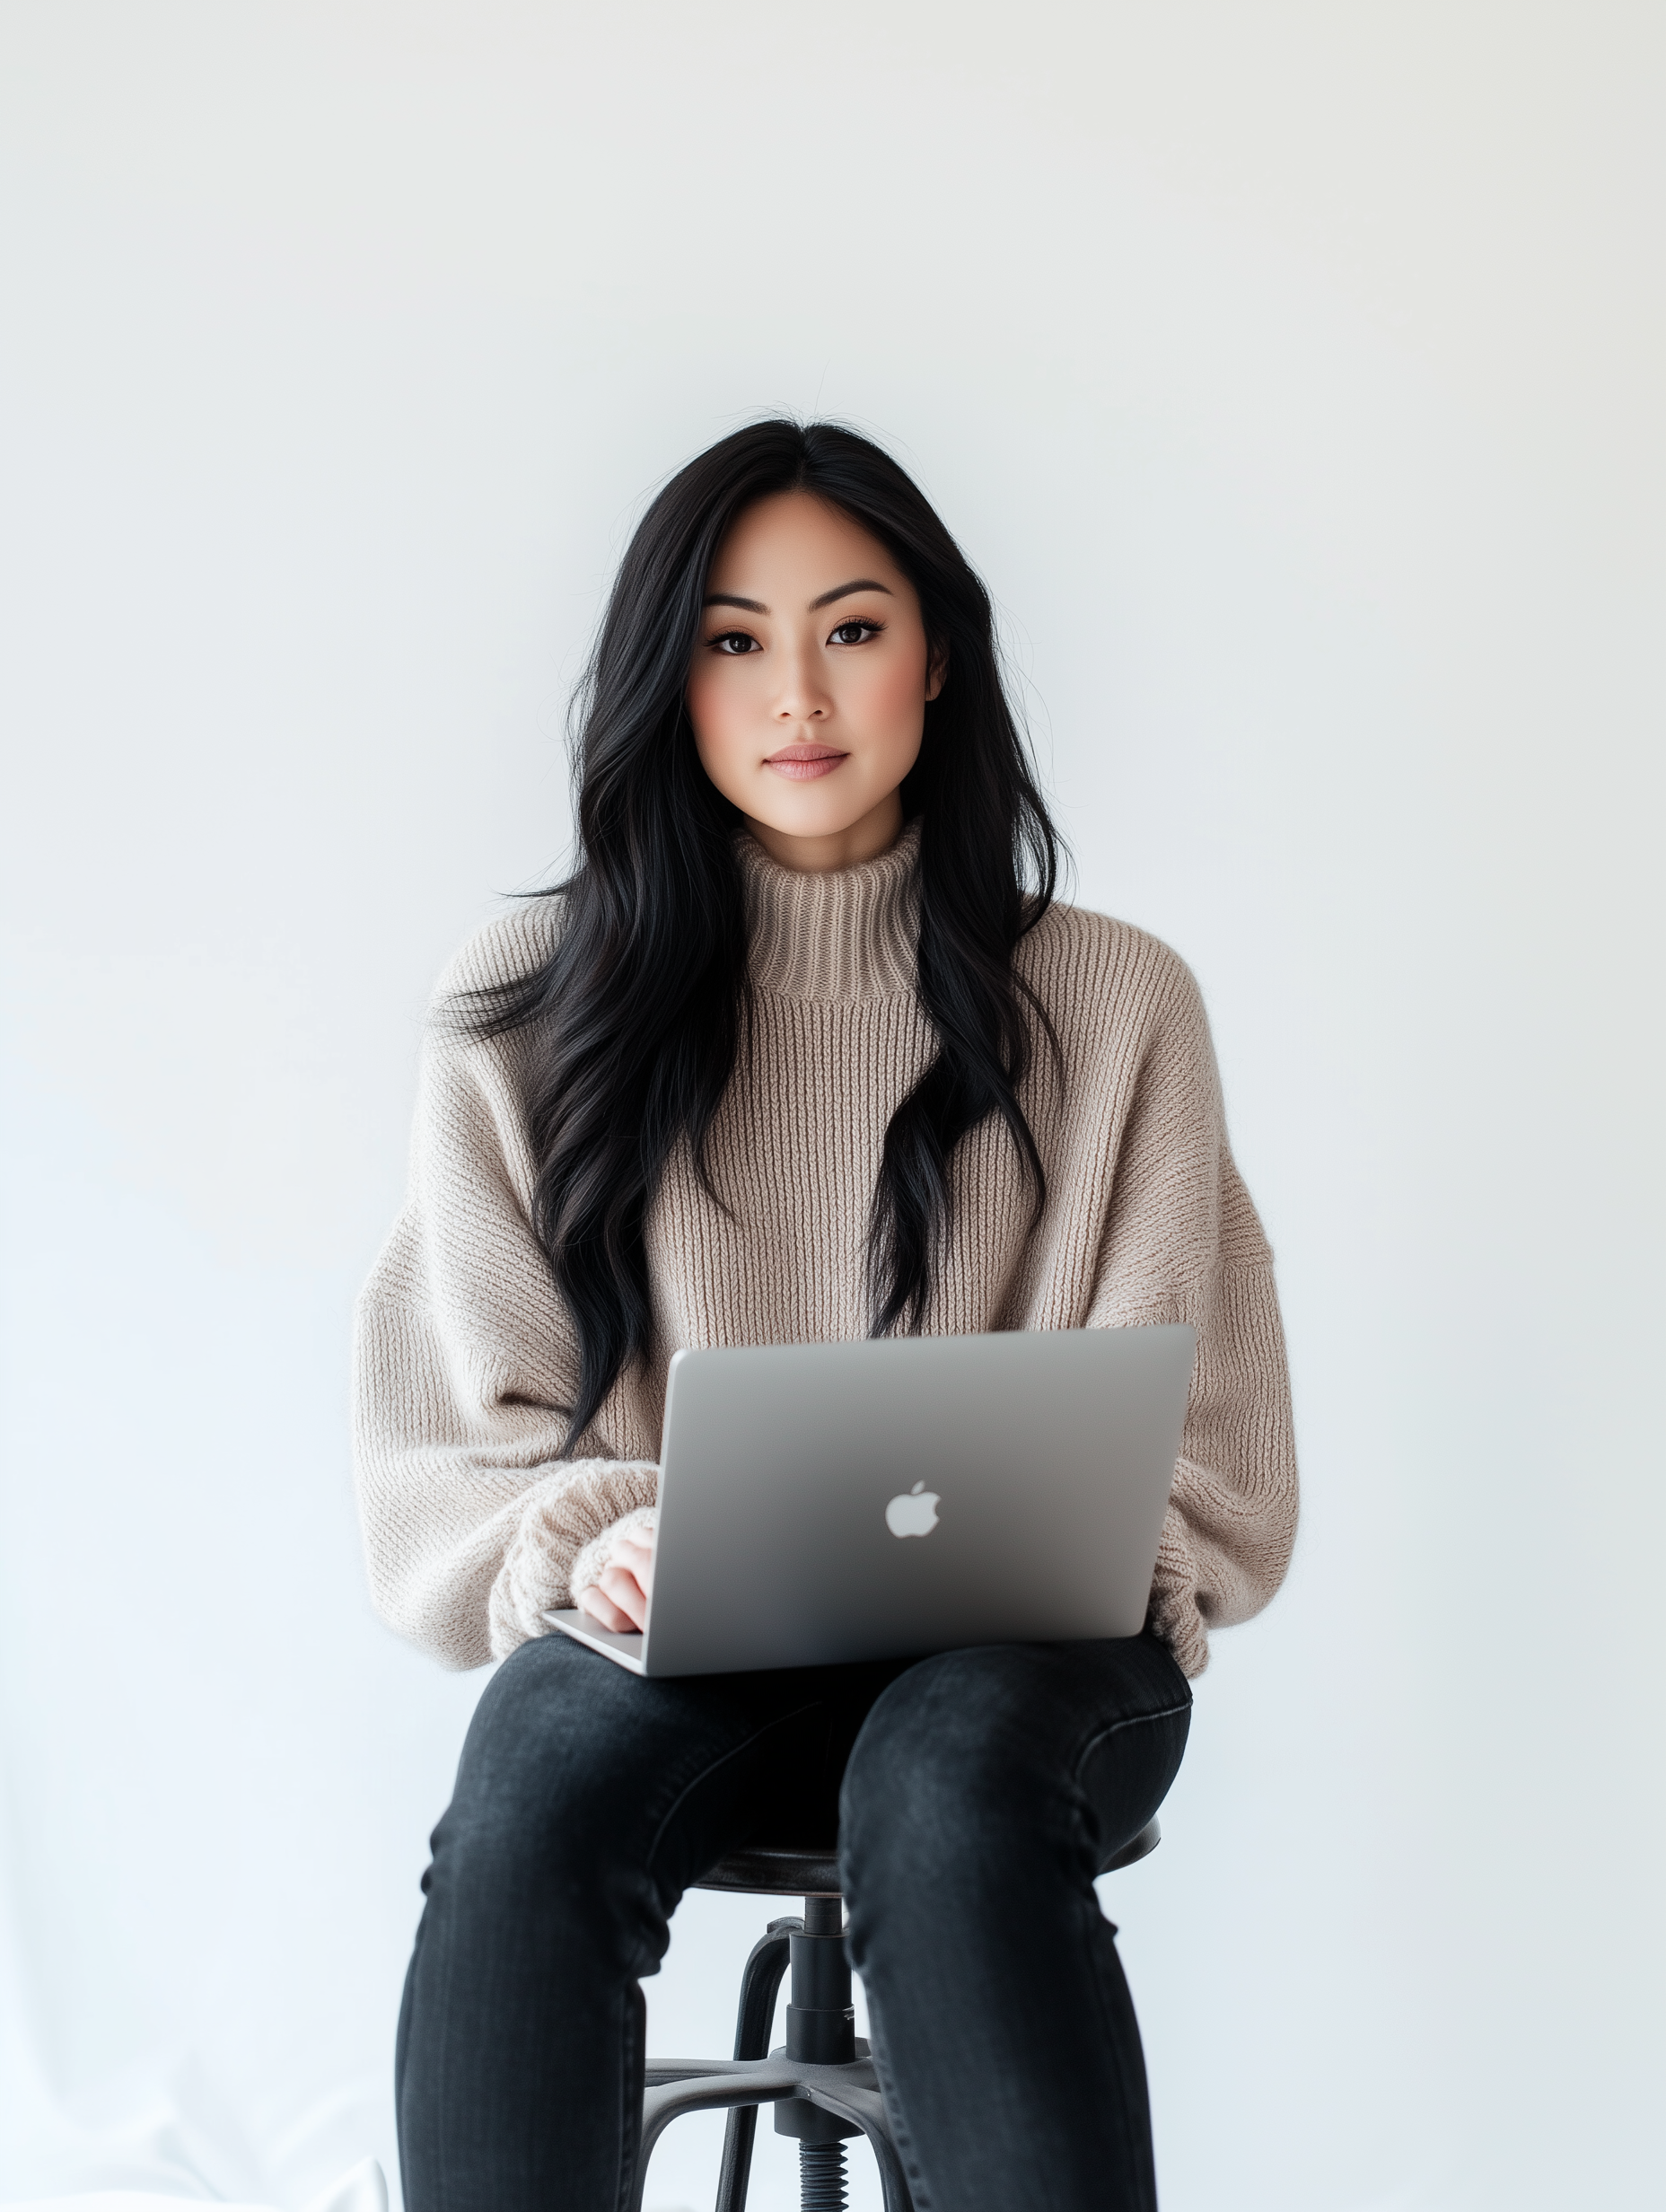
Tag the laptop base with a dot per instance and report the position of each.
(624, 1647)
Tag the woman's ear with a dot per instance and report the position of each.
(936, 673)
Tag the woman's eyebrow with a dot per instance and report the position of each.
(843, 591)
(839, 591)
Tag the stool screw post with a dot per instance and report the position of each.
(821, 2177)
(821, 2165)
(820, 2030)
(824, 1916)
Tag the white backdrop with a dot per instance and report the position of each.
(1293, 373)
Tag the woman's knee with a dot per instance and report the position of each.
(975, 1762)
(937, 1769)
(537, 1874)
(542, 1760)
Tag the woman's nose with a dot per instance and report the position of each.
(804, 696)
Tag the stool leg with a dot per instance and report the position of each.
(760, 1985)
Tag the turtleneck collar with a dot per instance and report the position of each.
(845, 934)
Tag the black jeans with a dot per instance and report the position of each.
(980, 1790)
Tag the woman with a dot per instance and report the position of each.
(804, 1049)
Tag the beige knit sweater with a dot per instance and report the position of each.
(474, 1521)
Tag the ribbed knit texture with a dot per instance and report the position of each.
(474, 1525)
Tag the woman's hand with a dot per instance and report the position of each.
(618, 1598)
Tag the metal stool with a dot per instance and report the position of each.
(821, 2081)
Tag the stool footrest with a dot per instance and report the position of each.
(850, 2093)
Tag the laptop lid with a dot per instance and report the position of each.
(825, 1502)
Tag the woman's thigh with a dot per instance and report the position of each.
(578, 1776)
(1004, 1750)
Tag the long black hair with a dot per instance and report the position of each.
(635, 1018)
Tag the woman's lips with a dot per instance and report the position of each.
(804, 763)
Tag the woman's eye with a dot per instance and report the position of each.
(854, 633)
(734, 641)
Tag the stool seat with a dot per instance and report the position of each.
(812, 1870)
(777, 1870)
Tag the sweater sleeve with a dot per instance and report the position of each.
(465, 1365)
(1182, 1242)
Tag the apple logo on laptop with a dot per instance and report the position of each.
(914, 1513)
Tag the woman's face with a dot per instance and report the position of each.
(808, 685)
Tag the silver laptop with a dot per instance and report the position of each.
(829, 1502)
